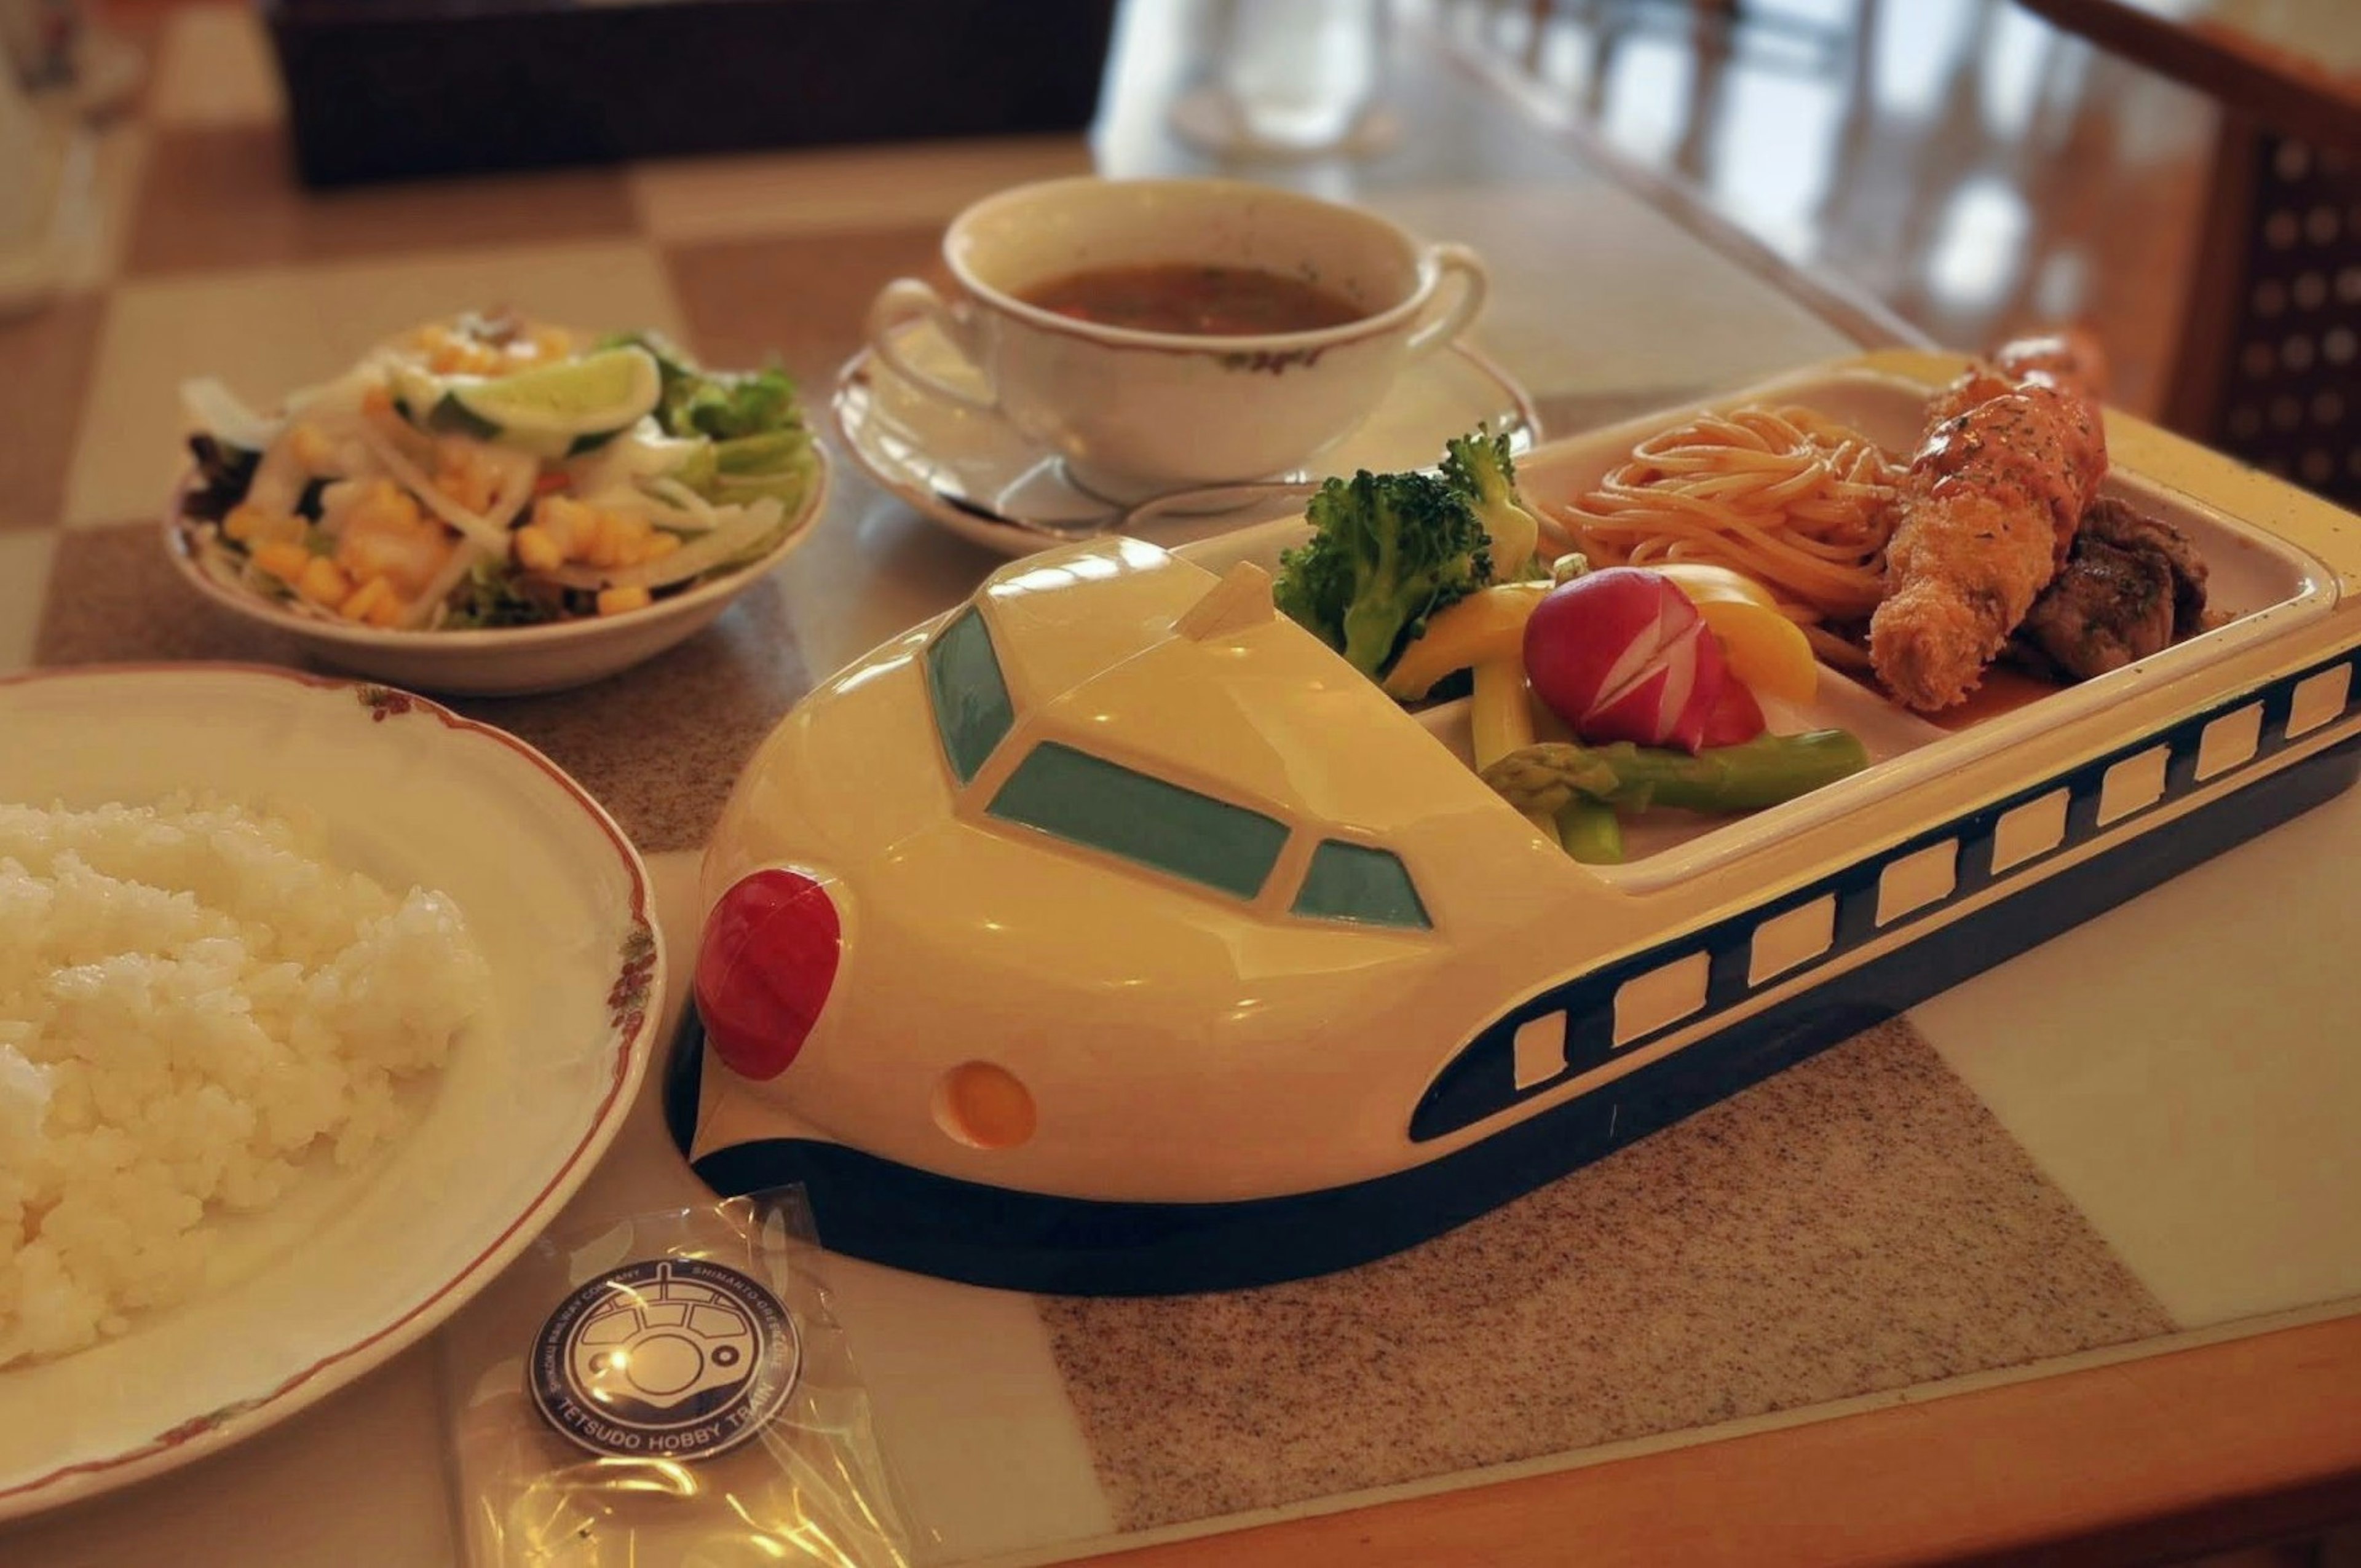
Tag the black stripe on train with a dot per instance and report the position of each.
(1481, 1081)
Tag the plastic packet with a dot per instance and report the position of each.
(669, 1387)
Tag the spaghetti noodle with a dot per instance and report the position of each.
(1794, 499)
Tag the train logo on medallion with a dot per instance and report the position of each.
(675, 1358)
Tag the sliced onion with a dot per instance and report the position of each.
(429, 604)
(279, 481)
(671, 518)
(217, 411)
(519, 475)
(336, 497)
(746, 535)
(708, 517)
(483, 530)
(642, 452)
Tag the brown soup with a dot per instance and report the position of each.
(1203, 301)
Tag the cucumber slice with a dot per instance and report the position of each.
(415, 392)
(449, 416)
(554, 408)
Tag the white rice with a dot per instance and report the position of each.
(193, 1004)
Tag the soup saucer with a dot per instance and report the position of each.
(969, 471)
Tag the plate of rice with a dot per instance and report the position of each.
(317, 1002)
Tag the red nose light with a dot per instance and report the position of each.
(764, 971)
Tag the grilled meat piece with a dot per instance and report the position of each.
(2133, 584)
(1987, 516)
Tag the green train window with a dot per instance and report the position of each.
(1352, 881)
(1089, 800)
(972, 712)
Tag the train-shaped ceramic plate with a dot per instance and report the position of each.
(1109, 934)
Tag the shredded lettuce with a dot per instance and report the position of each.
(758, 443)
(490, 594)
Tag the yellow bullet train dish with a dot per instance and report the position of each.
(1111, 933)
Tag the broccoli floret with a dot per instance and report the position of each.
(1478, 467)
(1387, 551)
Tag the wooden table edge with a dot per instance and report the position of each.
(2180, 1452)
(2285, 91)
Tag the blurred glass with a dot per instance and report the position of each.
(39, 36)
(1289, 78)
(22, 171)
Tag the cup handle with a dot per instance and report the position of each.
(1474, 283)
(906, 300)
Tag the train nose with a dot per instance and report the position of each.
(765, 968)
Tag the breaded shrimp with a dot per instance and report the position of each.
(2070, 360)
(2009, 465)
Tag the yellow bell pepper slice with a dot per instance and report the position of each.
(1765, 648)
(1486, 627)
(1501, 720)
(1501, 715)
(1762, 646)
(1703, 582)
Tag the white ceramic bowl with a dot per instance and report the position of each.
(1134, 414)
(509, 661)
(351, 1266)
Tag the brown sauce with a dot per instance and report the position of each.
(2004, 690)
(1202, 302)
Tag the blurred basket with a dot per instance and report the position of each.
(2270, 369)
(395, 88)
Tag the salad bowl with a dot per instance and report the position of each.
(1235, 971)
(485, 506)
(507, 661)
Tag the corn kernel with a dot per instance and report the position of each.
(254, 526)
(560, 518)
(620, 535)
(385, 535)
(631, 531)
(383, 506)
(310, 447)
(599, 543)
(550, 343)
(537, 550)
(364, 599)
(461, 474)
(617, 601)
(283, 560)
(324, 581)
(385, 612)
(660, 546)
(449, 352)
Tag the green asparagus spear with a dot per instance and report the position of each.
(1591, 831)
(1759, 772)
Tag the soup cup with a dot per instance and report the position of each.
(1134, 414)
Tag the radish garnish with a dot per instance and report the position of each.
(1623, 655)
(1736, 717)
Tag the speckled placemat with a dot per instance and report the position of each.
(1857, 1223)
(659, 745)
